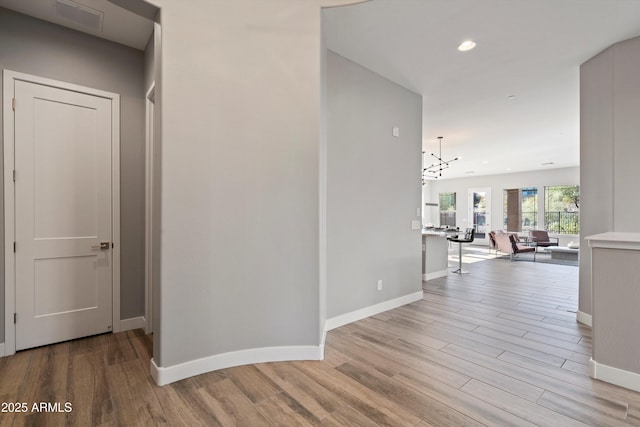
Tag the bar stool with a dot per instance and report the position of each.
(468, 238)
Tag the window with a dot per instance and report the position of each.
(529, 209)
(521, 209)
(562, 209)
(448, 209)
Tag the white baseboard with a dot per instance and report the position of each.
(133, 323)
(324, 337)
(169, 374)
(362, 313)
(584, 318)
(622, 378)
(2, 350)
(435, 275)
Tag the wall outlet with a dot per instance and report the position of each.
(379, 285)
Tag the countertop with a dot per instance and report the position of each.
(443, 232)
(615, 240)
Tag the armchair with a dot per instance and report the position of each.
(492, 240)
(508, 244)
(541, 238)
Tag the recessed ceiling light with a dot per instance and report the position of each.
(485, 162)
(547, 163)
(508, 169)
(470, 172)
(466, 45)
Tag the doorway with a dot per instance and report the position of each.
(61, 160)
(480, 213)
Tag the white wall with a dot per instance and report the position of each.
(240, 90)
(373, 188)
(497, 183)
(609, 148)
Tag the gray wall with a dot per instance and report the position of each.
(373, 188)
(240, 87)
(609, 148)
(626, 135)
(35, 47)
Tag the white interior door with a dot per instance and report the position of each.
(63, 214)
(480, 213)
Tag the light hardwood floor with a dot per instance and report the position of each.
(497, 347)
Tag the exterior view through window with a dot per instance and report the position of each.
(562, 209)
(447, 209)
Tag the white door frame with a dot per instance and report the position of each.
(148, 244)
(9, 77)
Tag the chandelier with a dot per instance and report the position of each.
(434, 170)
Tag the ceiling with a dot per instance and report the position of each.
(118, 24)
(530, 49)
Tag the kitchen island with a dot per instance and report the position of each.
(615, 293)
(435, 252)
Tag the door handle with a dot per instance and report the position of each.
(102, 245)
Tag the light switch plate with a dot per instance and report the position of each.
(395, 131)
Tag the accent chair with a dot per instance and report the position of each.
(541, 238)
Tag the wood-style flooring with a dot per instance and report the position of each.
(497, 347)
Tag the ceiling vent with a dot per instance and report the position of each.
(79, 14)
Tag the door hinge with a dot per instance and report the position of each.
(15, 318)
(14, 175)
(14, 247)
(13, 104)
